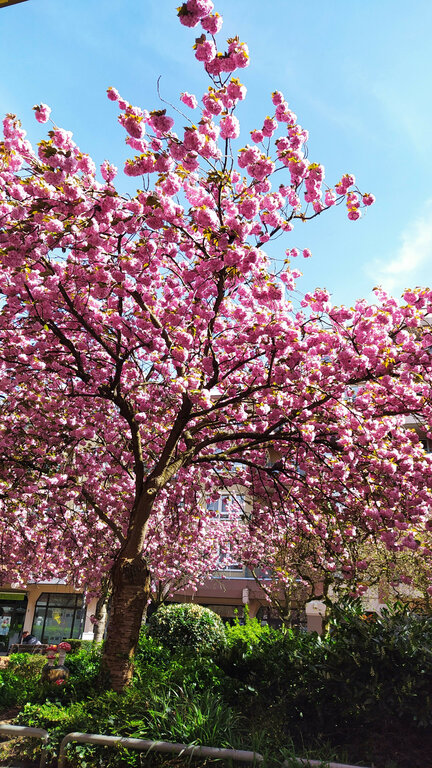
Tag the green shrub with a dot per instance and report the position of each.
(163, 713)
(20, 681)
(358, 691)
(272, 669)
(368, 671)
(58, 719)
(84, 667)
(187, 625)
(242, 640)
(155, 664)
(151, 652)
(378, 668)
(77, 645)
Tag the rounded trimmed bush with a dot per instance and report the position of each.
(187, 625)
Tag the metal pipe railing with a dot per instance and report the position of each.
(22, 732)
(317, 763)
(156, 746)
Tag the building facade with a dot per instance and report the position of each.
(55, 611)
(51, 611)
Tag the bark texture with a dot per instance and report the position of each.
(131, 590)
(101, 612)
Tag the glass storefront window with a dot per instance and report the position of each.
(58, 616)
(13, 607)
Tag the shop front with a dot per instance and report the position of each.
(13, 607)
(52, 611)
(58, 616)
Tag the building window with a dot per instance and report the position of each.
(13, 607)
(224, 555)
(226, 507)
(58, 616)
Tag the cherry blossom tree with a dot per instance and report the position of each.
(150, 353)
(335, 558)
(170, 571)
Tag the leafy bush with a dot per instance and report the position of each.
(272, 668)
(247, 634)
(368, 671)
(21, 683)
(20, 680)
(84, 667)
(351, 694)
(187, 625)
(378, 668)
(156, 665)
(165, 713)
(151, 653)
(76, 645)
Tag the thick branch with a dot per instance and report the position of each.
(103, 516)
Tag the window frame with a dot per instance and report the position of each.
(217, 508)
(47, 604)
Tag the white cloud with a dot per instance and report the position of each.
(412, 264)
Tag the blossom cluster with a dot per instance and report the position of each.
(150, 354)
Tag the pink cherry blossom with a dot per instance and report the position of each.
(212, 23)
(269, 127)
(108, 171)
(189, 99)
(229, 127)
(201, 7)
(160, 121)
(187, 17)
(151, 353)
(205, 51)
(257, 136)
(368, 199)
(42, 113)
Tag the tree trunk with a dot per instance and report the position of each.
(101, 616)
(101, 611)
(286, 618)
(131, 590)
(328, 606)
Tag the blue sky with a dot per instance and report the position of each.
(358, 75)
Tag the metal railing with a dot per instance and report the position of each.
(23, 732)
(156, 746)
(316, 763)
(167, 747)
